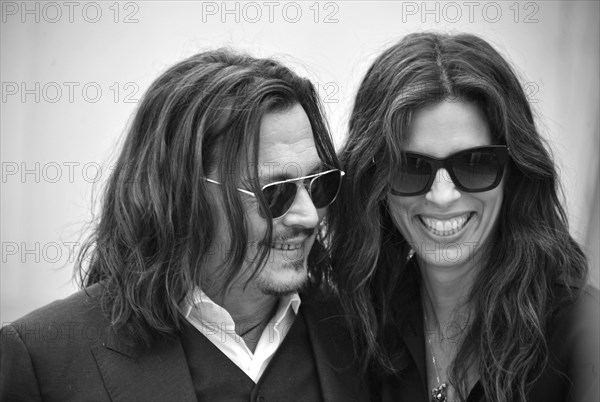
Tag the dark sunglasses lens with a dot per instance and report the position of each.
(477, 170)
(414, 175)
(280, 197)
(324, 189)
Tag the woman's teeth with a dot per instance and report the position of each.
(445, 227)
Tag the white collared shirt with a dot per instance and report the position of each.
(216, 324)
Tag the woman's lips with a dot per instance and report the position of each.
(445, 227)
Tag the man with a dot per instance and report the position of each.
(208, 231)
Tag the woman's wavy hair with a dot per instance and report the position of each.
(156, 222)
(512, 297)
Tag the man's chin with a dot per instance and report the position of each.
(284, 281)
(281, 292)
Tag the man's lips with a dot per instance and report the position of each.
(288, 245)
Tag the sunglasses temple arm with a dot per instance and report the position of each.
(241, 190)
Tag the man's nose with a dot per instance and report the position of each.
(302, 212)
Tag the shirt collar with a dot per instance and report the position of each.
(203, 308)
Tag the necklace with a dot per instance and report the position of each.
(439, 393)
(252, 328)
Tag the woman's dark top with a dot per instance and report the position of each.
(571, 373)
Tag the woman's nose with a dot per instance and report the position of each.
(443, 192)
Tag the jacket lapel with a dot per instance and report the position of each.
(135, 373)
(414, 338)
(338, 371)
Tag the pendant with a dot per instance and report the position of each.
(439, 393)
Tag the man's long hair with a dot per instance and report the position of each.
(156, 224)
(531, 249)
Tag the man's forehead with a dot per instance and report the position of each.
(284, 127)
(286, 145)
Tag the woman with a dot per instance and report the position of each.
(454, 248)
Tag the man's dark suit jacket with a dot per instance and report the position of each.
(67, 351)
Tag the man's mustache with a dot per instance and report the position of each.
(293, 234)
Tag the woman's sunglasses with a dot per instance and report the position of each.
(322, 188)
(472, 170)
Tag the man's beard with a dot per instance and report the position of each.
(273, 288)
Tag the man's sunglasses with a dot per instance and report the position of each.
(472, 170)
(322, 188)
